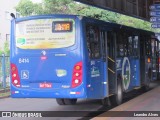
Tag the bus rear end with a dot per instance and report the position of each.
(46, 59)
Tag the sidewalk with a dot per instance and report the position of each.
(149, 101)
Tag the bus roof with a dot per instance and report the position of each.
(108, 24)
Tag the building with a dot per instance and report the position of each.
(6, 7)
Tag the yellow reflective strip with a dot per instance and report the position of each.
(111, 59)
(111, 70)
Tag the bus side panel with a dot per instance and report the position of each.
(128, 69)
(135, 77)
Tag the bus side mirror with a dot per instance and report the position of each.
(13, 16)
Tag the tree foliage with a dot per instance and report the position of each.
(6, 48)
(26, 8)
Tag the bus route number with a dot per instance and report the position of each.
(23, 60)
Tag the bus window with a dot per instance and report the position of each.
(93, 41)
(153, 47)
(148, 47)
(120, 46)
(130, 46)
(135, 46)
(125, 44)
(45, 34)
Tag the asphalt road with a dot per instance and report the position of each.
(14, 104)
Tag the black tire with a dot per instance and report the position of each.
(60, 101)
(70, 101)
(118, 97)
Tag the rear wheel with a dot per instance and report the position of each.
(70, 101)
(118, 97)
(60, 101)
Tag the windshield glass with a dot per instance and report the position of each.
(45, 33)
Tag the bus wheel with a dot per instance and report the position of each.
(60, 101)
(70, 101)
(118, 97)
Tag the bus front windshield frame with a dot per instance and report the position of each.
(42, 34)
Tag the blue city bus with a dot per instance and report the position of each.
(68, 57)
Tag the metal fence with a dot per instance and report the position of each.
(4, 72)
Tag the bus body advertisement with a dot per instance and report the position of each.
(69, 57)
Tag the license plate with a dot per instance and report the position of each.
(45, 85)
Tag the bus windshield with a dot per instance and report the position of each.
(45, 33)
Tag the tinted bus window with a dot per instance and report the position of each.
(93, 41)
(45, 33)
(153, 47)
(148, 46)
(135, 46)
(120, 46)
(130, 46)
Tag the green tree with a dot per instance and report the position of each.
(25, 7)
(6, 49)
(38, 9)
(1, 52)
(56, 6)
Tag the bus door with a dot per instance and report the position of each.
(158, 55)
(154, 58)
(103, 35)
(157, 58)
(133, 55)
(95, 66)
(146, 66)
(111, 45)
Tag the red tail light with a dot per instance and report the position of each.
(77, 75)
(15, 77)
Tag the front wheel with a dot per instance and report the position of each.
(118, 97)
